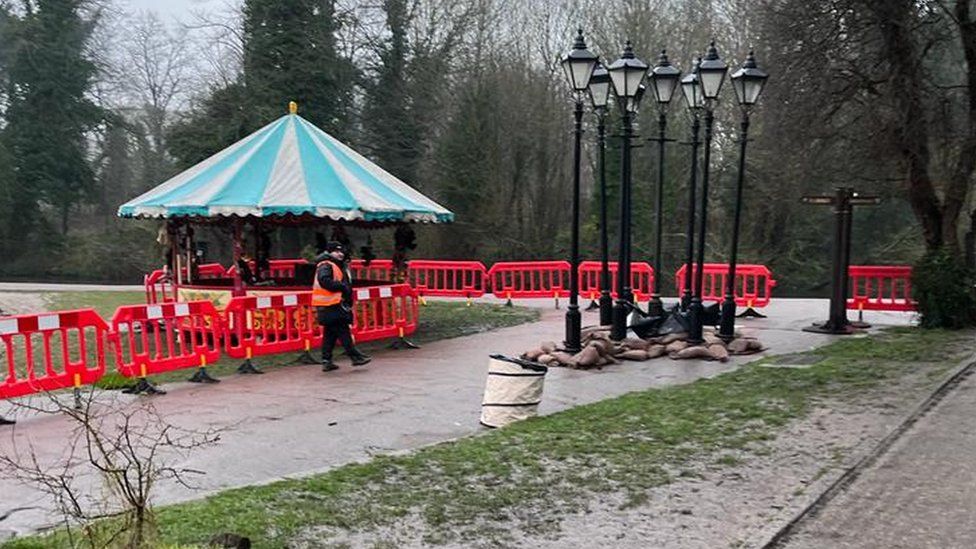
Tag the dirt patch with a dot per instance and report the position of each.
(17, 303)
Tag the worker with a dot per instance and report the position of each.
(332, 299)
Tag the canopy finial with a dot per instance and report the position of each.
(292, 107)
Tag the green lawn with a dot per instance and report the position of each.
(535, 472)
(104, 302)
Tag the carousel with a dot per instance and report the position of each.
(286, 174)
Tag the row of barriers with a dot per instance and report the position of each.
(50, 351)
(885, 288)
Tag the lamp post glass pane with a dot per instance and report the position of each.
(578, 72)
(664, 89)
(711, 82)
(599, 87)
(692, 92)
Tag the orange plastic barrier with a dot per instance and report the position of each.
(378, 269)
(466, 279)
(881, 288)
(529, 279)
(753, 284)
(382, 312)
(641, 279)
(152, 339)
(264, 325)
(50, 351)
(160, 288)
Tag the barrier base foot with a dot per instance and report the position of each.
(143, 387)
(306, 358)
(202, 376)
(592, 306)
(404, 343)
(5, 421)
(248, 368)
(509, 303)
(750, 313)
(860, 324)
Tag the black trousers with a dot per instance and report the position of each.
(335, 321)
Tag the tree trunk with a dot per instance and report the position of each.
(957, 188)
(894, 18)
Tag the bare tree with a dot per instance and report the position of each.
(127, 450)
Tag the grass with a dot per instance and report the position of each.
(104, 302)
(537, 471)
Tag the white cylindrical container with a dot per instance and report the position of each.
(513, 390)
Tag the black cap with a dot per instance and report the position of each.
(334, 246)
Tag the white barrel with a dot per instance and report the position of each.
(513, 390)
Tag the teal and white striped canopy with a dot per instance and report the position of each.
(288, 167)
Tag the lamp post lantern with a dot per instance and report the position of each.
(599, 89)
(578, 65)
(627, 75)
(691, 90)
(711, 71)
(665, 78)
(748, 84)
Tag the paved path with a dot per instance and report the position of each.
(297, 420)
(921, 494)
(57, 287)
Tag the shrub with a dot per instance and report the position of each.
(945, 290)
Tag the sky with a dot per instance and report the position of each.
(177, 9)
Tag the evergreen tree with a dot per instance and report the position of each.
(392, 129)
(290, 55)
(49, 114)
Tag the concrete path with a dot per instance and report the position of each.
(921, 494)
(297, 420)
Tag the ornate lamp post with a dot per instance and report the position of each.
(748, 84)
(664, 81)
(599, 89)
(691, 89)
(578, 66)
(627, 75)
(711, 75)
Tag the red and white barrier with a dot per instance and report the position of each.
(753, 284)
(50, 351)
(152, 339)
(880, 288)
(641, 279)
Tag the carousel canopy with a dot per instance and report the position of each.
(288, 168)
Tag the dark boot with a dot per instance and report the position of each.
(328, 365)
(361, 359)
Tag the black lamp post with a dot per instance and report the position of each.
(627, 75)
(664, 80)
(578, 66)
(711, 76)
(691, 89)
(599, 89)
(748, 84)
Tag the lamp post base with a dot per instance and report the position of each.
(5, 421)
(574, 326)
(618, 330)
(606, 308)
(695, 327)
(655, 307)
(726, 330)
(832, 328)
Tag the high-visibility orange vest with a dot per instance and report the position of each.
(322, 297)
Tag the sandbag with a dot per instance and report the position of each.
(718, 352)
(548, 347)
(676, 346)
(697, 351)
(587, 358)
(513, 390)
(655, 351)
(633, 354)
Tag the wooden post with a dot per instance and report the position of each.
(238, 251)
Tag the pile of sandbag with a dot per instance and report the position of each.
(599, 350)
